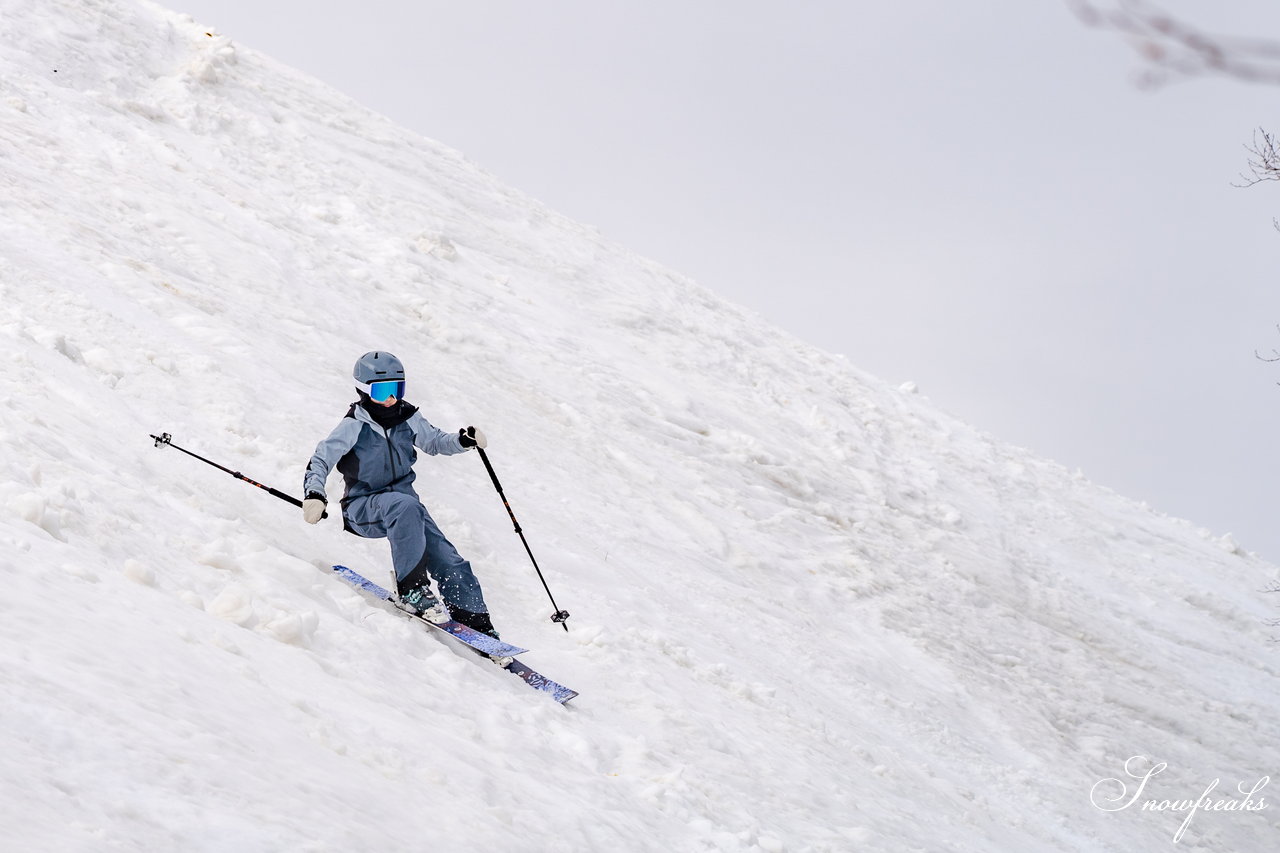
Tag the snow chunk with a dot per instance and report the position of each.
(139, 572)
(234, 604)
(438, 245)
(33, 507)
(1228, 543)
(208, 66)
(294, 628)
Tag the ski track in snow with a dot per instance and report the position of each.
(811, 612)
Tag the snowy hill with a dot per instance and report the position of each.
(810, 611)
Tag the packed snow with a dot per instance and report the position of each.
(811, 612)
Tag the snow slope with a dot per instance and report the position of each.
(810, 611)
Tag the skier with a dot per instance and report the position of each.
(373, 447)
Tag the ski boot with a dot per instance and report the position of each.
(476, 621)
(421, 602)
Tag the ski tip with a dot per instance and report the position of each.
(538, 681)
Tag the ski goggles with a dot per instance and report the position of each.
(382, 391)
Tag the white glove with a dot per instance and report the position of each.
(472, 437)
(312, 508)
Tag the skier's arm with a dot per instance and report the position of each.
(433, 440)
(327, 454)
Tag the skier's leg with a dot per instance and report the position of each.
(406, 519)
(362, 519)
(420, 552)
(401, 519)
(458, 585)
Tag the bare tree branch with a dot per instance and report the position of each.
(1264, 162)
(1275, 356)
(1174, 49)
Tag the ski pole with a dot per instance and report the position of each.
(560, 615)
(165, 440)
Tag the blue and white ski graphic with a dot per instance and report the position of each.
(538, 681)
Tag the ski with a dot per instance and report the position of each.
(482, 644)
(473, 638)
(538, 681)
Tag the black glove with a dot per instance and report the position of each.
(472, 437)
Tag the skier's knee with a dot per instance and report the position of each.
(398, 507)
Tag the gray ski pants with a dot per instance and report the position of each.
(418, 548)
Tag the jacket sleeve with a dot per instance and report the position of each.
(327, 454)
(433, 440)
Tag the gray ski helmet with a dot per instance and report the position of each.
(378, 367)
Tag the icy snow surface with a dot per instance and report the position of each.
(810, 611)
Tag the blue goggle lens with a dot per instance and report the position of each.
(380, 391)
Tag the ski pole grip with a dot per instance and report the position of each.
(484, 457)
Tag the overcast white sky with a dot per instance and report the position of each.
(972, 196)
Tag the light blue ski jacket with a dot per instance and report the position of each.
(373, 460)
